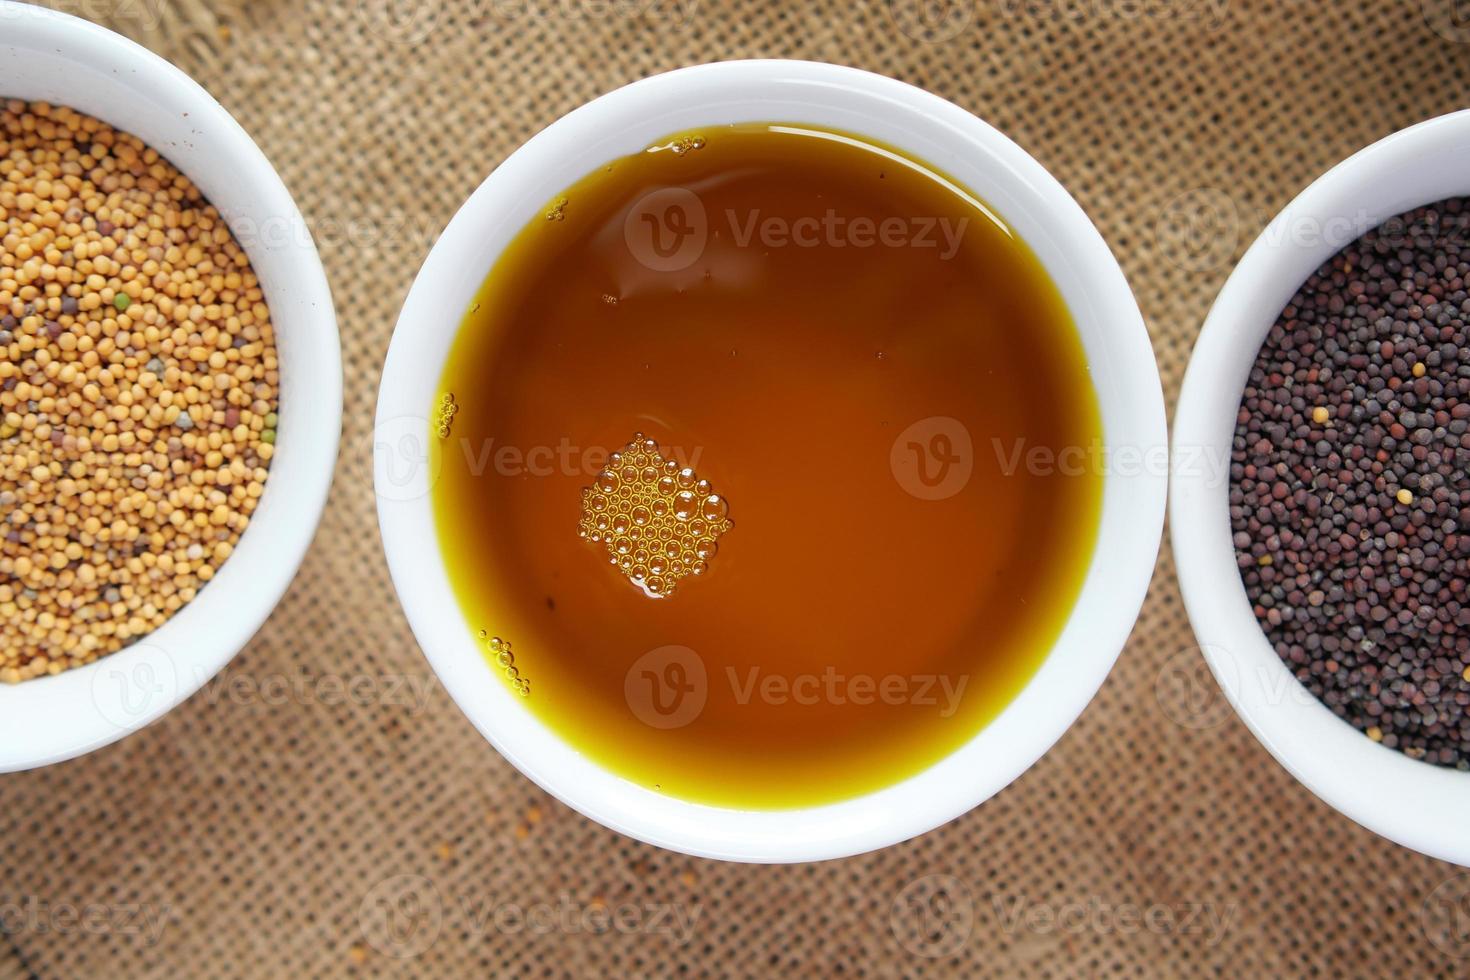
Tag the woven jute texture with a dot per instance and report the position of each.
(273, 827)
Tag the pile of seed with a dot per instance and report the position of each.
(138, 390)
(1350, 484)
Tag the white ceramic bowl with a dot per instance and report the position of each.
(1024, 195)
(52, 57)
(1418, 805)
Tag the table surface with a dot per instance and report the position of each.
(267, 828)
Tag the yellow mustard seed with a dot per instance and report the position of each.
(137, 358)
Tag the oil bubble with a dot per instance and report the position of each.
(714, 509)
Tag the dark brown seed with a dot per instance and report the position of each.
(1362, 591)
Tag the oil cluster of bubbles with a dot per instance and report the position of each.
(498, 652)
(658, 522)
(684, 144)
(444, 415)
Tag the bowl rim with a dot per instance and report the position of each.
(887, 816)
(285, 534)
(1415, 804)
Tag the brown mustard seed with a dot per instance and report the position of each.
(137, 370)
(1366, 522)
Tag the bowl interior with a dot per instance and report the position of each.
(1414, 803)
(51, 57)
(1027, 198)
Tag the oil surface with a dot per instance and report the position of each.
(871, 369)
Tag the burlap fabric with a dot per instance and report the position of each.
(272, 827)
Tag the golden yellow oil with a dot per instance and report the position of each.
(861, 358)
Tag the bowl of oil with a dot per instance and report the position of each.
(770, 460)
